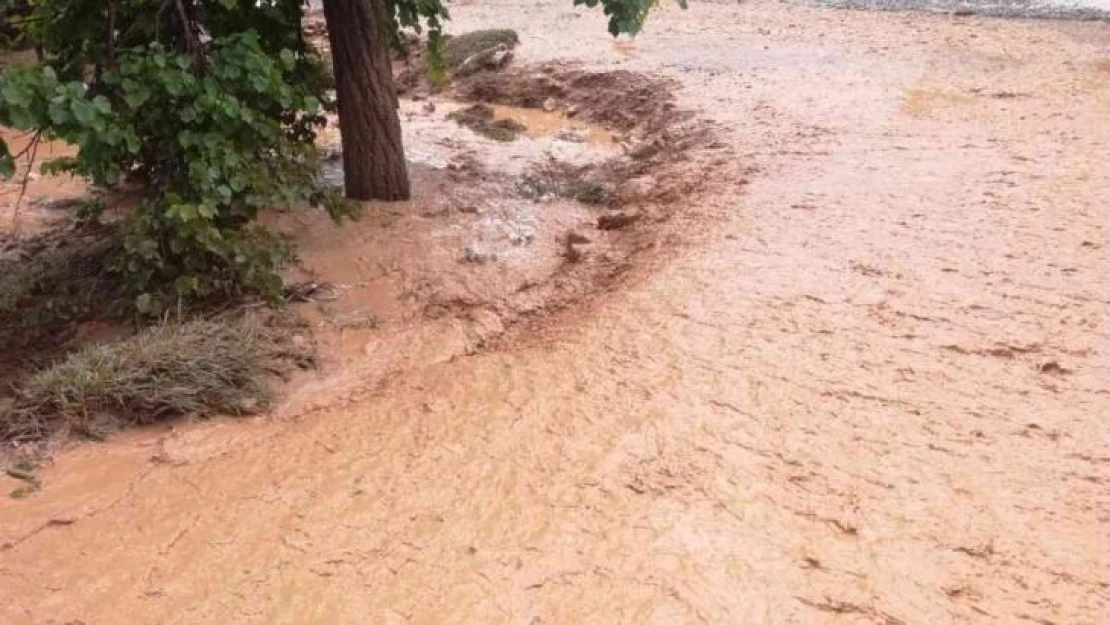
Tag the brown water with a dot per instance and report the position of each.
(870, 386)
(542, 123)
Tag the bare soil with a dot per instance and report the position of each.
(861, 377)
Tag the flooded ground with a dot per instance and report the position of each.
(1034, 9)
(864, 380)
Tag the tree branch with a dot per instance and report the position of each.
(33, 148)
(192, 42)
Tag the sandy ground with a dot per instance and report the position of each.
(870, 386)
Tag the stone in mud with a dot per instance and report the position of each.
(575, 246)
(331, 154)
(522, 235)
(491, 59)
(577, 238)
(639, 188)
(617, 220)
(478, 254)
(572, 135)
(574, 253)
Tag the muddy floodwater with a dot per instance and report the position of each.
(865, 380)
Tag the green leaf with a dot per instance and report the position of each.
(135, 94)
(83, 112)
(59, 112)
(145, 304)
(102, 104)
(288, 58)
(186, 212)
(7, 162)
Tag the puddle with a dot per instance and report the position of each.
(924, 102)
(576, 141)
(540, 123)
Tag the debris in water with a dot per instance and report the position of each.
(618, 220)
(480, 119)
(478, 254)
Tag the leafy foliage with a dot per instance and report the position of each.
(211, 104)
(12, 13)
(216, 131)
(625, 16)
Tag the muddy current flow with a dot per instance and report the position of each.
(850, 364)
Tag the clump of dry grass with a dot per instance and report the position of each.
(64, 280)
(459, 48)
(198, 368)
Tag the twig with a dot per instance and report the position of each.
(111, 33)
(192, 43)
(36, 135)
(33, 147)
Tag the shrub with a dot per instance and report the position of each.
(215, 131)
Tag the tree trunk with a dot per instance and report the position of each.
(374, 165)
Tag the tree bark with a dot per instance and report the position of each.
(374, 166)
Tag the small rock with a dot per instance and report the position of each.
(468, 209)
(550, 105)
(429, 107)
(488, 59)
(573, 135)
(577, 238)
(501, 57)
(641, 150)
(575, 248)
(574, 253)
(522, 235)
(618, 220)
(1055, 368)
(637, 188)
(478, 254)
(572, 110)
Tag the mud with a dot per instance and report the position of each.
(868, 386)
(31, 203)
(481, 119)
(1026, 9)
(616, 99)
(480, 253)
